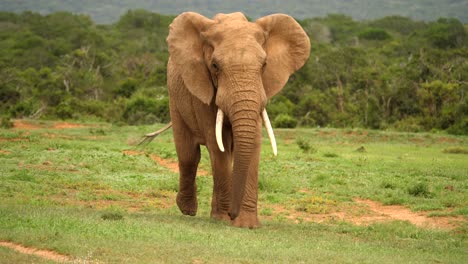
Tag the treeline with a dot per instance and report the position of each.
(109, 11)
(65, 66)
(387, 73)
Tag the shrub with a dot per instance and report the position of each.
(127, 87)
(420, 189)
(456, 150)
(410, 124)
(305, 146)
(22, 109)
(374, 34)
(330, 155)
(64, 110)
(280, 105)
(142, 110)
(5, 122)
(459, 128)
(284, 121)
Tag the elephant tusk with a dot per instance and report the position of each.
(269, 129)
(219, 129)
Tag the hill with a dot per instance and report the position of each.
(109, 11)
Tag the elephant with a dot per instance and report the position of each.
(220, 74)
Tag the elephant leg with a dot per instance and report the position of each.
(188, 153)
(221, 164)
(187, 195)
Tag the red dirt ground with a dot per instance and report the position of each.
(13, 139)
(45, 254)
(366, 212)
(27, 125)
(5, 152)
(166, 163)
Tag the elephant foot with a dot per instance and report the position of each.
(187, 204)
(221, 216)
(246, 220)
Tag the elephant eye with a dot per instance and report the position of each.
(215, 66)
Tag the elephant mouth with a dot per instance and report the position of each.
(266, 121)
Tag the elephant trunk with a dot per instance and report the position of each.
(246, 128)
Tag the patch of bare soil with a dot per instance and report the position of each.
(366, 212)
(323, 133)
(171, 165)
(53, 135)
(27, 125)
(5, 152)
(447, 140)
(420, 219)
(22, 124)
(166, 163)
(13, 139)
(356, 133)
(65, 125)
(42, 253)
(47, 166)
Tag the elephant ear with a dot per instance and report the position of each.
(287, 47)
(186, 53)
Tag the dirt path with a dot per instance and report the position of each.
(45, 254)
(166, 163)
(28, 125)
(397, 212)
(366, 212)
(5, 152)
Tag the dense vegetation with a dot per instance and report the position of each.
(391, 72)
(109, 11)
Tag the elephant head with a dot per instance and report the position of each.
(236, 66)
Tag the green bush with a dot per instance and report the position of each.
(459, 128)
(141, 110)
(305, 145)
(446, 33)
(22, 109)
(280, 105)
(374, 34)
(127, 87)
(456, 150)
(410, 124)
(330, 155)
(5, 122)
(64, 110)
(420, 189)
(284, 121)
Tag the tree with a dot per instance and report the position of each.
(446, 33)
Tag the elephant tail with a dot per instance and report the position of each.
(150, 136)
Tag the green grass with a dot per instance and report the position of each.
(74, 191)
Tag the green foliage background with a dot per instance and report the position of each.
(391, 72)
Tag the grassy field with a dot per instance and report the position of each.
(330, 196)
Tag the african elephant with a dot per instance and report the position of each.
(220, 74)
